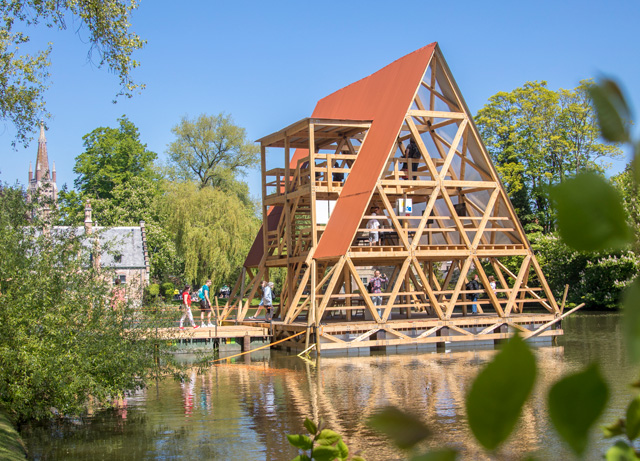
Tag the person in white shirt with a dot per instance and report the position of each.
(374, 225)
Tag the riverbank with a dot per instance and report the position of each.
(11, 445)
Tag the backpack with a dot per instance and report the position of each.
(413, 151)
(370, 287)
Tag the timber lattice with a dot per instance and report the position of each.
(461, 222)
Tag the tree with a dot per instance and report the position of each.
(111, 158)
(212, 150)
(213, 230)
(537, 138)
(24, 73)
(61, 343)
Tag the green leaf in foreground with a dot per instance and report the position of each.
(404, 429)
(446, 454)
(300, 441)
(611, 109)
(343, 449)
(631, 310)
(575, 403)
(325, 453)
(590, 213)
(633, 418)
(621, 452)
(327, 437)
(311, 426)
(499, 392)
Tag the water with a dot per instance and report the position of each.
(243, 411)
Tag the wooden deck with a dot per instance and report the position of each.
(223, 331)
(420, 330)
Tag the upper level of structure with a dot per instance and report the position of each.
(387, 167)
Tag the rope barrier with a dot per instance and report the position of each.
(258, 348)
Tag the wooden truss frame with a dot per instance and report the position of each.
(466, 224)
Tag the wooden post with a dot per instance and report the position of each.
(312, 172)
(347, 291)
(265, 218)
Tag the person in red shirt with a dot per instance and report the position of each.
(186, 305)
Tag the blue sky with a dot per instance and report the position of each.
(267, 63)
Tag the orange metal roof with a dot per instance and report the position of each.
(385, 98)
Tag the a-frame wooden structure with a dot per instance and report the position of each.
(444, 215)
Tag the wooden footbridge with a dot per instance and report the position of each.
(390, 174)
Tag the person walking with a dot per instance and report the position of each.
(205, 304)
(186, 305)
(266, 301)
(376, 289)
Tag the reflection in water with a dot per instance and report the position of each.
(244, 410)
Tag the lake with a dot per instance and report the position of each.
(243, 410)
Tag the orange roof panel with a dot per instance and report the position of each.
(383, 97)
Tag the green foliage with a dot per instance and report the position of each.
(326, 444)
(575, 403)
(498, 393)
(154, 289)
(538, 137)
(112, 157)
(590, 214)
(621, 451)
(11, 445)
(61, 343)
(211, 150)
(213, 231)
(167, 290)
(25, 72)
(118, 175)
(597, 278)
(611, 109)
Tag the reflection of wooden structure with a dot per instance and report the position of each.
(444, 216)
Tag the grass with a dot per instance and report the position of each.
(11, 446)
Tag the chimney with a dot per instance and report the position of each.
(54, 173)
(38, 172)
(30, 172)
(88, 224)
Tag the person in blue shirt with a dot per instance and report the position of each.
(205, 304)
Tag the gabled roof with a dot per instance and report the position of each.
(383, 97)
(125, 242)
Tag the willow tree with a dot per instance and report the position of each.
(538, 137)
(213, 230)
(24, 72)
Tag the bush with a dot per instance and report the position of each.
(167, 290)
(151, 294)
(596, 278)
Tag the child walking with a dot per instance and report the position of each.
(186, 305)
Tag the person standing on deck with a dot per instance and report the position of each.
(374, 225)
(474, 285)
(186, 305)
(376, 288)
(205, 304)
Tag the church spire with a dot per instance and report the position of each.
(42, 160)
